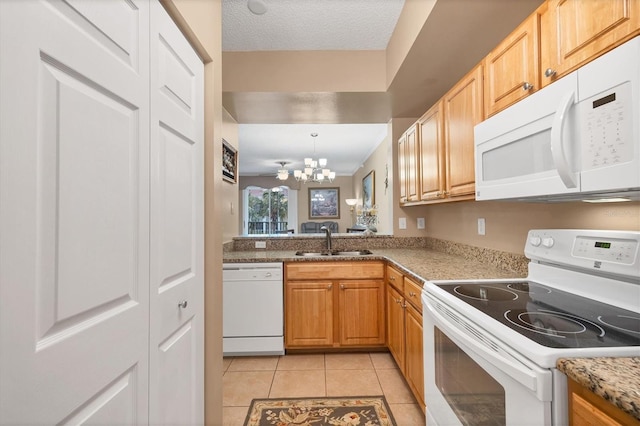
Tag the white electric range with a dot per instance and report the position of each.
(491, 346)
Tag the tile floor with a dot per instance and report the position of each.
(290, 376)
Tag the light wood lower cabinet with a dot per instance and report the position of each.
(404, 329)
(309, 313)
(414, 361)
(589, 409)
(395, 326)
(344, 308)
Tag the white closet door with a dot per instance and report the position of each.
(74, 216)
(177, 227)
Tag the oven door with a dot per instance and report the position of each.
(473, 379)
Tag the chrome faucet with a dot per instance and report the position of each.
(328, 236)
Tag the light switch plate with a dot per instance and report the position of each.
(402, 222)
(421, 223)
(481, 226)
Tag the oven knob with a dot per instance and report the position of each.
(547, 242)
(535, 241)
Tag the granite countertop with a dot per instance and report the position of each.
(421, 263)
(615, 379)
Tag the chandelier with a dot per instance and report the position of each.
(314, 170)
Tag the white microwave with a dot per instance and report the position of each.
(578, 138)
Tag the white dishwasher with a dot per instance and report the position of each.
(252, 309)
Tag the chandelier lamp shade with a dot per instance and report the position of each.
(314, 170)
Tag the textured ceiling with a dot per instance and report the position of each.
(309, 25)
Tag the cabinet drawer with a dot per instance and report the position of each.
(334, 270)
(394, 277)
(412, 292)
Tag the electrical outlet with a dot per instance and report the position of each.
(421, 223)
(261, 244)
(402, 222)
(481, 226)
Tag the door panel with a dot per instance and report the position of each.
(74, 179)
(177, 227)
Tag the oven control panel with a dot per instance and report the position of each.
(609, 251)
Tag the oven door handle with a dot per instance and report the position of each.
(520, 372)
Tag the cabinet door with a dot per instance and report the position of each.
(309, 313)
(588, 409)
(402, 168)
(584, 30)
(412, 163)
(361, 312)
(395, 326)
(462, 111)
(431, 150)
(512, 68)
(414, 354)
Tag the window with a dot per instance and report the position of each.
(269, 211)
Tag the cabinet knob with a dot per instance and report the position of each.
(341, 286)
(330, 286)
(398, 301)
(182, 304)
(549, 72)
(527, 86)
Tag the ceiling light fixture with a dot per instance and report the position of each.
(283, 173)
(314, 170)
(257, 7)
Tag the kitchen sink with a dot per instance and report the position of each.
(334, 253)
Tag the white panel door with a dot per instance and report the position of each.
(74, 216)
(177, 227)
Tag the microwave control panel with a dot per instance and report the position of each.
(606, 121)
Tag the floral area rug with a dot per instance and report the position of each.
(338, 411)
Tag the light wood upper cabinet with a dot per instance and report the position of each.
(402, 167)
(408, 165)
(463, 109)
(578, 31)
(412, 164)
(334, 304)
(512, 68)
(431, 154)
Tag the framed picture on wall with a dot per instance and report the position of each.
(229, 162)
(324, 203)
(369, 190)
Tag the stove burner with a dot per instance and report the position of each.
(621, 322)
(483, 293)
(551, 323)
(526, 288)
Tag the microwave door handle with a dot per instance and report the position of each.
(557, 142)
